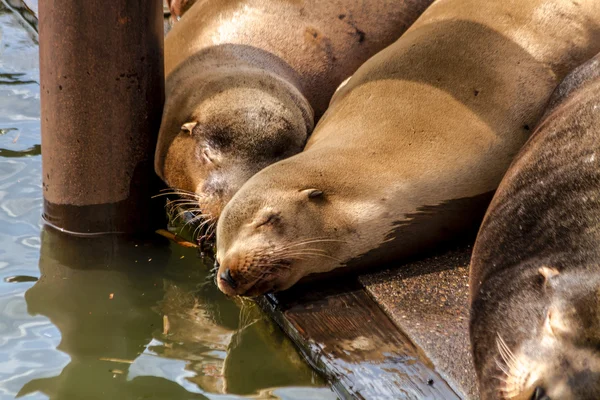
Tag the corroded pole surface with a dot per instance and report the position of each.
(102, 92)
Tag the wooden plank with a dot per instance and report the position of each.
(346, 336)
(428, 299)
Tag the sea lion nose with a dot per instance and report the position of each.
(539, 394)
(226, 276)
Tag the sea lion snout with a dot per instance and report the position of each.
(539, 394)
(227, 279)
(554, 370)
(267, 240)
(224, 277)
(248, 273)
(560, 358)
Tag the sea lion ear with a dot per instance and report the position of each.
(548, 273)
(189, 127)
(314, 193)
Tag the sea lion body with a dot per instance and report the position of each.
(535, 271)
(411, 147)
(246, 80)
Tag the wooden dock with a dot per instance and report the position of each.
(398, 333)
(395, 334)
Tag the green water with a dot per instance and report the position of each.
(113, 318)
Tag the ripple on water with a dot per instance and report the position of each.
(27, 346)
(205, 354)
(8, 169)
(16, 208)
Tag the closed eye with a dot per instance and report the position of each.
(206, 156)
(269, 220)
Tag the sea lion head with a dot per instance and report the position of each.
(283, 224)
(561, 358)
(220, 129)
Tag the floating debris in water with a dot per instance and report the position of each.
(111, 296)
(177, 239)
(117, 360)
(166, 325)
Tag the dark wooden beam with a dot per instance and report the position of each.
(346, 336)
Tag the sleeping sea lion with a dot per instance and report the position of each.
(246, 80)
(535, 271)
(412, 146)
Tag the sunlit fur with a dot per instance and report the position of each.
(421, 131)
(535, 267)
(252, 77)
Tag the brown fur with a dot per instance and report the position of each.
(254, 75)
(539, 243)
(430, 122)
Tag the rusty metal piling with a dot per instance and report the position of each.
(102, 92)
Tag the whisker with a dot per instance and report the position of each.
(175, 190)
(181, 194)
(301, 249)
(210, 230)
(284, 253)
(199, 228)
(502, 368)
(182, 202)
(310, 241)
(193, 221)
(308, 252)
(183, 212)
(505, 352)
(317, 255)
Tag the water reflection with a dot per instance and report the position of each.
(140, 319)
(4, 131)
(14, 79)
(165, 333)
(36, 150)
(77, 279)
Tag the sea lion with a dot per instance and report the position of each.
(246, 79)
(411, 148)
(538, 337)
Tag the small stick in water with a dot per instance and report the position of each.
(180, 241)
(166, 325)
(118, 360)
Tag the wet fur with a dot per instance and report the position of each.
(434, 118)
(546, 213)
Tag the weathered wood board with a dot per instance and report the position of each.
(429, 300)
(346, 336)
